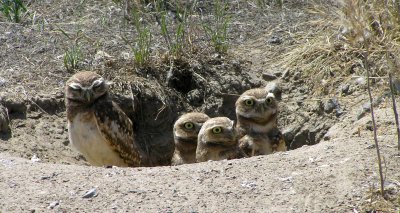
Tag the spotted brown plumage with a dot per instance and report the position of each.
(97, 127)
(217, 140)
(257, 126)
(186, 129)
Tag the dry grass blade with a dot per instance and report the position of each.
(374, 126)
(396, 116)
(334, 50)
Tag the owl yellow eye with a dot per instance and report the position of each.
(217, 130)
(249, 102)
(189, 125)
(268, 100)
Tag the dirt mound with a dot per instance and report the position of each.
(333, 176)
(152, 99)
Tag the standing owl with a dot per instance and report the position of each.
(97, 127)
(217, 140)
(256, 112)
(186, 129)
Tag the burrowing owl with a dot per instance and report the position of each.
(256, 112)
(97, 127)
(4, 122)
(217, 140)
(186, 129)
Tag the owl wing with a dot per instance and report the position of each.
(234, 153)
(277, 140)
(117, 128)
(245, 146)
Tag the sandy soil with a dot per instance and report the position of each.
(332, 176)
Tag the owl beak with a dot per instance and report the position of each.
(232, 131)
(88, 96)
(262, 108)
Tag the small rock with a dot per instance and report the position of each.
(248, 184)
(35, 159)
(345, 89)
(274, 88)
(2, 82)
(53, 204)
(91, 193)
(288, 179)
(361, 81)
(275, 40)
(125, 55)
(339, 112)
(268, 76)
(65, 142)
(330, 105)
(369, 126)
(371, 146)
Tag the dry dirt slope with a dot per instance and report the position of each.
(332, 176)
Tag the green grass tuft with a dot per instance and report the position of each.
(12, 9)
(72, 57)
(218, 33)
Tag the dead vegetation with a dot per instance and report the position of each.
(333, 51)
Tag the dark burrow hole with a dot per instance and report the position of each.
(181, 80)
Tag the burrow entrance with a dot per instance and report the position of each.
(154, 102)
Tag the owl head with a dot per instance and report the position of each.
(187, 127)
(84, 88)
(257, 105)
(217, 131)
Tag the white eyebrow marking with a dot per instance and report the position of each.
(75, 86)
(270, 95)
(97, 82)
(247, 97)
